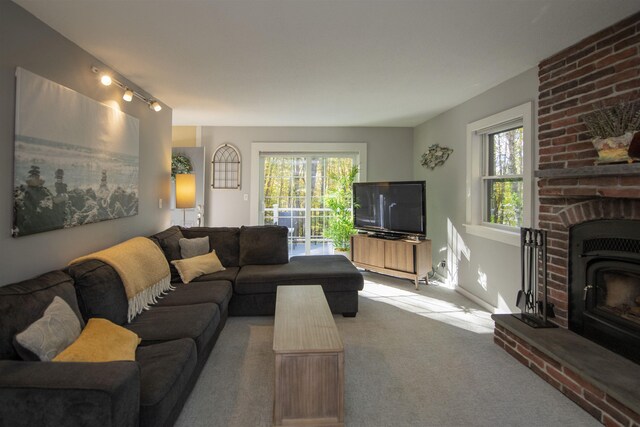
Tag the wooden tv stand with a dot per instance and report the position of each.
(409, 259)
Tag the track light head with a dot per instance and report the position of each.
(105, 79)
(128, 95)
(155, 106)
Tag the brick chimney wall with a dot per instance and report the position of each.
(601, 69)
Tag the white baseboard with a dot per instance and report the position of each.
(477, 300)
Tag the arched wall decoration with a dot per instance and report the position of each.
(435, 156)
(226, 168)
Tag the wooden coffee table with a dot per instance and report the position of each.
(309, 383)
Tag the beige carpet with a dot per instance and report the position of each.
(413, 358)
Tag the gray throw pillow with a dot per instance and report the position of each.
(194, 247)
(58, 328)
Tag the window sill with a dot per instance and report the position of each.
(503, 236)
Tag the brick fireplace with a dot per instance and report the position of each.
(573, 191)
(603, 68)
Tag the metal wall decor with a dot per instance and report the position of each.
(435, 156)
(226, 168)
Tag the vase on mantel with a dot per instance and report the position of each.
(613, 149)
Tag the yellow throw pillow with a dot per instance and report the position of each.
(101, 341)
(190, 268)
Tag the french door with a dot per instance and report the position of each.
(292, 194)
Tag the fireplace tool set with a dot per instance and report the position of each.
(533, 253)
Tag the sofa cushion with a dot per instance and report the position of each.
(228, 274)
(225, 241)
(263, 245)
(161, 324)
(197, 266)
(334, 272)
(48, 336)
(100, 291)
(165, 371)
(194, 247)
(101, 341)
(23, 303)
(169, 242)
(218, 291)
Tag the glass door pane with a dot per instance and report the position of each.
(284, 196)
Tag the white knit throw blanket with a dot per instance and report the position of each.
(143, 269)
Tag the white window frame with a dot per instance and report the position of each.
(476, 133)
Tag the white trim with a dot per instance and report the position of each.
(481, 302)
(475, 131)
(259, 147)
(504, 236)
(475, 299)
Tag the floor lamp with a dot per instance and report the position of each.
(185, 193)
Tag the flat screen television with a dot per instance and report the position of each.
(390, 208)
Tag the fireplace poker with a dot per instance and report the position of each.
(538, 247)
(531, 254)
(521, 297)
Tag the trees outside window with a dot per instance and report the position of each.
(502, 177)
(294, 195)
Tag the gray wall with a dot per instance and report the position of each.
(389, 157)
(488, 269)
(29, 43)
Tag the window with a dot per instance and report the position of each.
(499, 170)
(502, 177)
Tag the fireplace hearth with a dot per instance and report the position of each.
(604, 284)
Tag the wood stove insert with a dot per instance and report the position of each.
(604, 284)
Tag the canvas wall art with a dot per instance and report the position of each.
(75, 159)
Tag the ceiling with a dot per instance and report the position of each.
(322, 62)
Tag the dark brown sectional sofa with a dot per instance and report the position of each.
(178, 333)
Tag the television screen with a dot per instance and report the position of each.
(390, 207)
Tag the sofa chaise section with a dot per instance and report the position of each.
(255, 286)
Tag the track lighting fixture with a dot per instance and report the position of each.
(128, 94)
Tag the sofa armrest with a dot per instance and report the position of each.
(69, 393)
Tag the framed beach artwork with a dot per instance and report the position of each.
(75, 159)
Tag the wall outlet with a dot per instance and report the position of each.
(442, 264)
(246, 197)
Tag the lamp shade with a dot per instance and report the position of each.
(185, 191)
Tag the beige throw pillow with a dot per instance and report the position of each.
(101, 341)
(191, 268)
(193, 247)
(53, 332)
